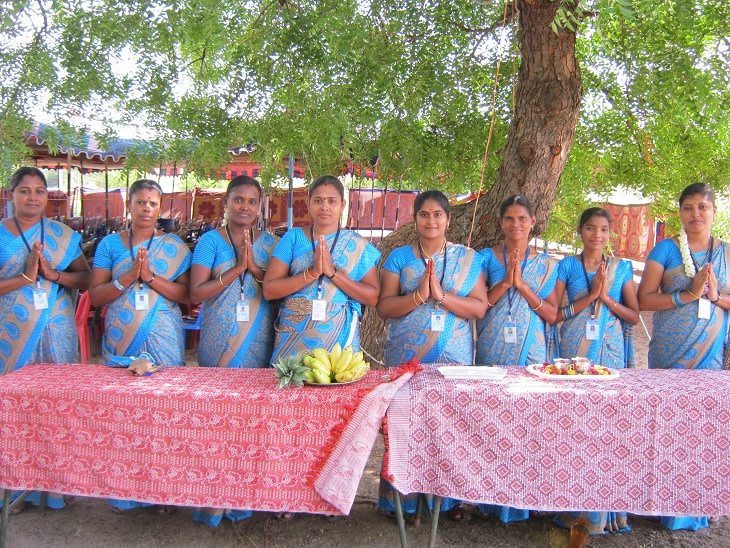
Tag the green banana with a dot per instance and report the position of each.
(320, 377)
(322, 355)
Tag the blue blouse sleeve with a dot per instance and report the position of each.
(205, 251)
(564, 270)
(103, 256)
(284, 250)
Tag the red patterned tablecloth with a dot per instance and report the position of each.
(649, 442)
(189, 436)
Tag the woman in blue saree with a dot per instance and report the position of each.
(430, 293)
(141, 275)
(226, 276)
(685, 283)
(324, 274)
(601, 299)
(228, 270)
(40, 263)
(423, 281)
(514, 331)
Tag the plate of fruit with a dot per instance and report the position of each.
(321, 367)
(575, 369)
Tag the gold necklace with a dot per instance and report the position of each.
(423, 251)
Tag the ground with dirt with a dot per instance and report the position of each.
(90, 522)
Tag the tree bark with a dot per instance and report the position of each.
(547, 104)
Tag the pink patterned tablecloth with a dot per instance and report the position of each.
(649, 442)
(189, 436)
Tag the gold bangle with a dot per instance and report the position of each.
(27, 278)
(690, 292)
(418, 292)
(538, 306)
(220, 279)
(615, 304)
(261, 281)
(414, 298)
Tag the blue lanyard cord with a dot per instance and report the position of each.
(708, 258)
(131, 249)
(511, 291)
(423, 258)
(588, 282)
(235, 253)
(27, 244)
(332, 247)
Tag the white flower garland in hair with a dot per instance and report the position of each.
(689, 265)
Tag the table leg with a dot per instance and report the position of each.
(434, 520)
(398, 518)
(5, 514)
(419, 509)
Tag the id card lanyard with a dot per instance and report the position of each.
(141, 295)
(40, 297)
(242, 306)
(438, 316)
(592, 324)
(704, 310)
(510, 327)
(319, 305)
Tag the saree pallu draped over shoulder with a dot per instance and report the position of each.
(30, 335)
(679, 338)
(295, 330)
(410, 336)
(157, 330)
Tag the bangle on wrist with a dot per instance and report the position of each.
(538, 306)
(58, 277)
(443, 298)
(414, 298)
(152, 279)
(220, 279)
(116, 283)
(615, 304)
(690, 292)
(236, 271)
(676, 299)
(420, 298)
(31, 280)
(334, 273)
(718, 298)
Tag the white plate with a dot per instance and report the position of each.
(613, 374)
(472, 372)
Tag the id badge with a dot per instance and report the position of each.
(438, 320)
(510, 332)
(40, 298)
(319, 310)
(704, 309)
(141, 299)
(592, 330)
(242, 311)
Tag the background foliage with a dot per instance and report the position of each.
(409, 84)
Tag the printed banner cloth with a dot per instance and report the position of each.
(653, 442)
(189, 436)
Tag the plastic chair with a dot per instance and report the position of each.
(83, 307)
(192, 324)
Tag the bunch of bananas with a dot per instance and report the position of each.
(337, 365)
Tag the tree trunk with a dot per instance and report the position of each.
(547, 104)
